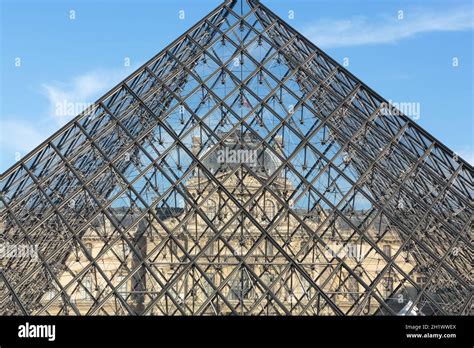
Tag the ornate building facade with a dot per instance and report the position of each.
(240, 171)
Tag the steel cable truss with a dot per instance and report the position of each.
(348, 208)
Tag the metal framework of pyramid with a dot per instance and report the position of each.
(128, 210)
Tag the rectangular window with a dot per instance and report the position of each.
(353, 287)
(209, 289)
(269, 248)
(306, 247)
(210, 249)
(387, 250)
(387, 287)
(89, 248)
(173, 248)
(125, 250)
(86, 288)
(123, 289)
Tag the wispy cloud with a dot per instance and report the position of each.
(19, 135)
(67, 99)
(361, 30)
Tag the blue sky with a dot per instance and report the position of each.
(406, 60)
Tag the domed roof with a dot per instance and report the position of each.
(239, 149)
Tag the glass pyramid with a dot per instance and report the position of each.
(241, 171)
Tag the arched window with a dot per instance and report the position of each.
(85, 289)
(241, 286)
(270, 209)
(211, 209)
